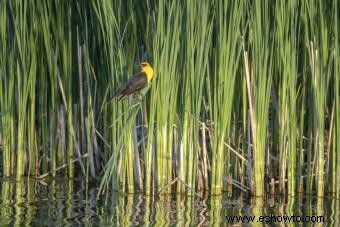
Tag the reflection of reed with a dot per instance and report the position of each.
(159, 219)
(31, 199)
(289, 210)
(6, 202)
(67, 191)
(215, 210)
(127, 215)
(334, 213)
(202, 208)
(91, 205)
(179, 210)
(18, 206)
(257, 208)
(164, 205)
(147, 211)
(137, 208)
(66, 202)
(320, 209)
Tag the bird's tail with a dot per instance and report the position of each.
(118, 95)
(115, 96)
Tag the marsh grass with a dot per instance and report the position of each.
(245, 94)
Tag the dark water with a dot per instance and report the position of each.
(63, 202)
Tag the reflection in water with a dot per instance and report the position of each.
(68, 202)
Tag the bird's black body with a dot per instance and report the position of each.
(135, 83)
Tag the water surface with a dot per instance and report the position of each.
(60, 201)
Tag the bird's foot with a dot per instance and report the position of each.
(138, 96)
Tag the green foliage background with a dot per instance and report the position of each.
(245, 94)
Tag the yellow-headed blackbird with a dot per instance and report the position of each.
(136, 82)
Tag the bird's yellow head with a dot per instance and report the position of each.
(147, 69)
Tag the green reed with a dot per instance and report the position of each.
(222, 83)
(335, 156)
(195, 45)
(167, 67)
(259, 78)
(243, 90)
(287, 70)
(319, 63)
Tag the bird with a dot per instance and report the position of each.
(136, 82)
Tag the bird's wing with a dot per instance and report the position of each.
(135, 83)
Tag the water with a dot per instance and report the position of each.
(63, 202)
